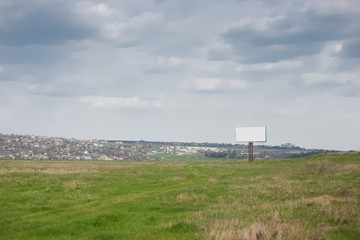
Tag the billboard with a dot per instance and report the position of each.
(250, 134)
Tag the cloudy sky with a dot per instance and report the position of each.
(182, 70)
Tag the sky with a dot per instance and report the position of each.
(182, 70)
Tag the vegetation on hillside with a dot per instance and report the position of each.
(307, 198)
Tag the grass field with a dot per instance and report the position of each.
(308, 198)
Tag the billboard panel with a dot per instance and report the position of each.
(250, 134)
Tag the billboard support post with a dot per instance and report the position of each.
(250, 135)
(251, 151)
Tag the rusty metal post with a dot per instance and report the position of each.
(251, 151)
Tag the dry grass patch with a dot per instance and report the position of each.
(136, 164)
(49, 167)
(346, 168)
(212, 180)
(349, 166)
(326, 167)
(182, 197)
(341, 215)
(190, 198)
(255, 178)
(178, 178)
(326, 200)
(349, 193)
(273, 228)
(73, 167)
(76, 184)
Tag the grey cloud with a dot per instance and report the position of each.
(159, 1)
(351, 49)
(287, 37)
(220, 54)
(49, 24)
(271, 53)
(30, 54)
(128, 44)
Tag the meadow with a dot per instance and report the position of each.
(306, 198)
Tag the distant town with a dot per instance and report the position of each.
(14, 146)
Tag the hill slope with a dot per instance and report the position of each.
(308, 198)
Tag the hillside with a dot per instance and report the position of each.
(306, 198)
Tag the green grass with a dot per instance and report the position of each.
(167, 157)
(308, 198)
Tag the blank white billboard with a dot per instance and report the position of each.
(250, 134)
